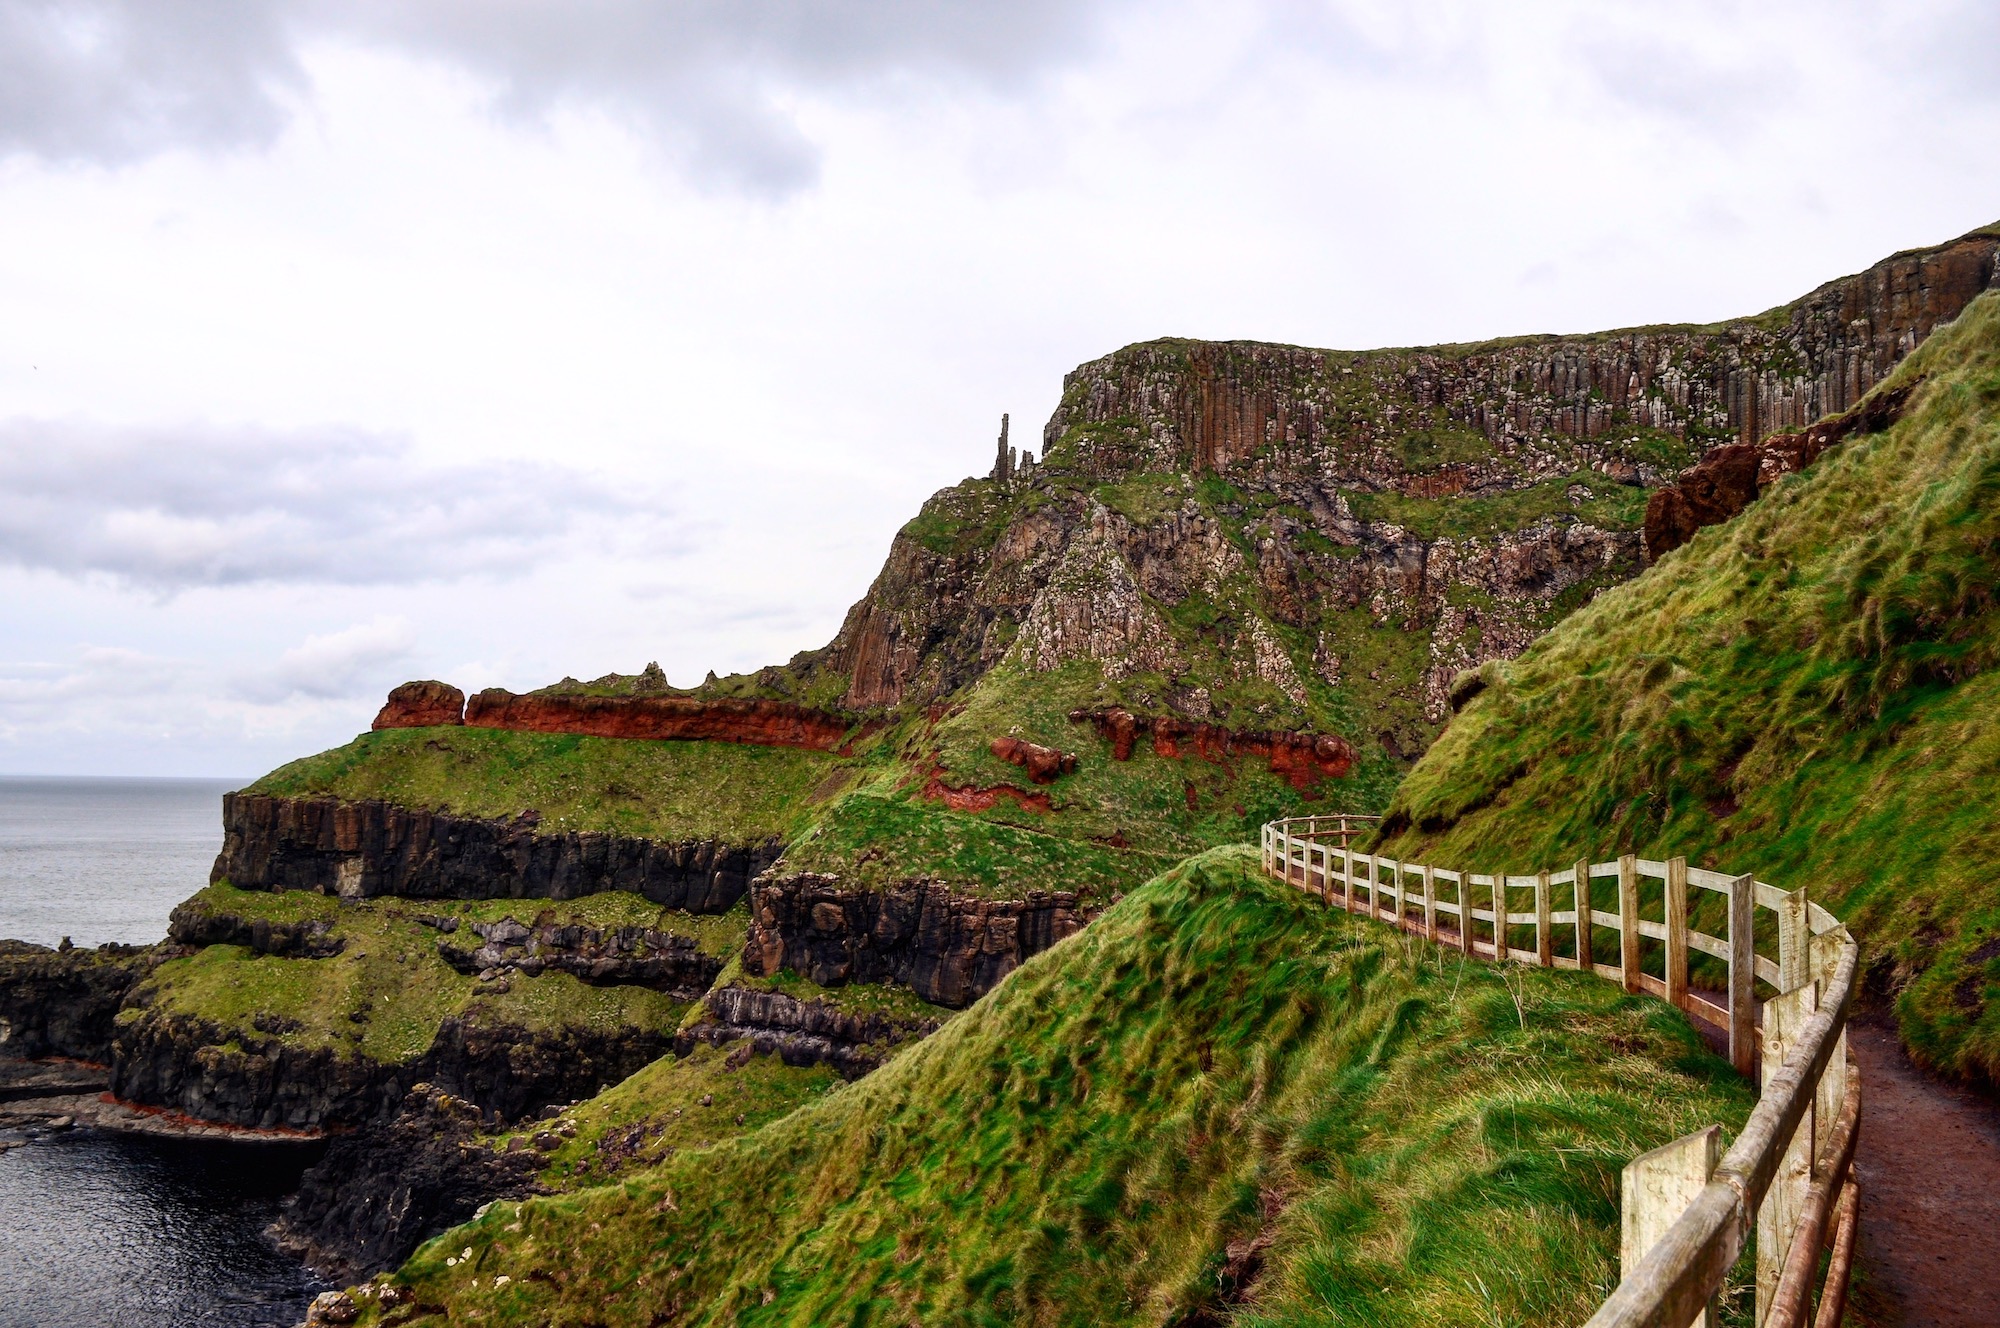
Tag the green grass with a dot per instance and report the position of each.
(1610, 506)
(872, 842)
(667, 790)
(390, 973)
(1217, 1061)
(659, 1112)
(1807, 692)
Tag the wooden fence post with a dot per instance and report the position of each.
(1784, 1203)
(1545, 940)
(1430, 905)
(1499, 915)
(1742, 973)
(1465, 910)
(1655, 1189)
(1677, 932)
(1583, 918)
(1794, 940)
(1628, 920)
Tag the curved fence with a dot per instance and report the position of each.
(1687, 1213)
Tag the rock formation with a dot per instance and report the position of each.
(800, 1032)
(1728, 479)
(950, 949)
(418, 705)
(1044, 764)
(1215, 513)
(728, 719)
(66, 1002)
(1302, 759)
(619, 956)
(361, 849)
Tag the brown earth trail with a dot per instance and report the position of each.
(1929, 1167)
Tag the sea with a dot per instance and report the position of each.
(100, 1230)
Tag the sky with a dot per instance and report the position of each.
(502, 340)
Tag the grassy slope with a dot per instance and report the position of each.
(673, 790)
(1216, 1060)
(390, 972)
(1808, 692)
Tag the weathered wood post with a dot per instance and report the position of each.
(1628, 920)
(1499, 893)
(1584, 920)
(1677, 932)
(1794, 940)
(1655, 1189)
(1545, 939)
(1743, 973)
(1430, 904)
(1785, 1201)
(1465, 910)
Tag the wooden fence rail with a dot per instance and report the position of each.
(1687, 1214)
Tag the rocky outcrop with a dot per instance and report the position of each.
(619, 956)
(1207, 513)
(948, 948)
(358, 850)
(418, 705)
(66, 1002)
(801, 1032)
(1044, 765)
(728, 719)
(1302, 759)
(1729, 479)
(256, 1078)
(196, 922)
(380, 1192)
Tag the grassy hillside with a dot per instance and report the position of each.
(672, 790)
(1219, 1095)
(1808, 692)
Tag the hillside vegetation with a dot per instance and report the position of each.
(1809, 692)
(1219, 1096)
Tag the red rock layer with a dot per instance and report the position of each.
(1302, 759)
(1728, 479)
(759, 723)
(421, 705)
(1043, 764)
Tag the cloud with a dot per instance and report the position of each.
(167, 510)
(111, 81)
(712, 82)
(332, 666)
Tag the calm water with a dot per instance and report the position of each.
(114, 1231)
(109, 1231)
(103, 859)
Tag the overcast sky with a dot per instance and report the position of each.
(498, 340)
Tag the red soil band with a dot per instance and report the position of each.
(1302, 759)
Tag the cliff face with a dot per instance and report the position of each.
(758, 722)
(65, 1002)
(360, 850)
(949, 949)
(1343, 532)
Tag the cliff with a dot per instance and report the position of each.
(360, 850)
(1237, 532)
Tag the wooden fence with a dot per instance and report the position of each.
(1687, 1212)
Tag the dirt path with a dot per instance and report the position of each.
(1929, 1164)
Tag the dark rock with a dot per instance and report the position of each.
(359, 850)
(621, 956)
(798, 1032)
(195, 923)
(65, 1003)
(380, 1192)
(950, 949)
